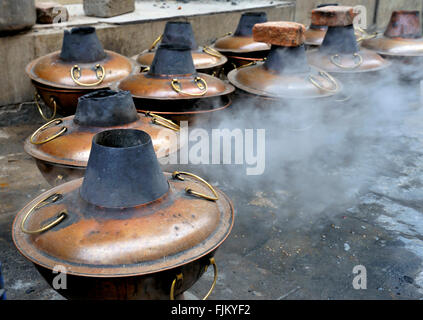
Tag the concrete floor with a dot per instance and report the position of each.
(286, 243)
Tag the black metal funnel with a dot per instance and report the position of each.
(122, 170)
(179, 32)
(172, 59)
(340, 40)
(247, 22)
(287, 60)
(82, 44)
(105, 108)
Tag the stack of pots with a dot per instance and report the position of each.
(82, 66)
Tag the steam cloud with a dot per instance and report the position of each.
(324, 153)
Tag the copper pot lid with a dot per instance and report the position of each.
(314, 36)
(67, 141)
(402, 37)
(339, 51)
(241, 41)
(172, 76)
(82, 63)
(285, 73)
(203, 57)
(180, 32)
(125, 217)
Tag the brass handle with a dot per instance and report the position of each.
(252, 63)
(335, 57)
(177, 175)
(200, 82)
(326, 75)
(180, 277)
(364, 35)
(162, 121)
(155, 42)
(212, 52)
(50, 199)
(144, 69)
(76, 74)
(37, 98)
(60, 132)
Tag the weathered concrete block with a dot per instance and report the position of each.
(16, 15)
(280, 33)
(108, 8)
(333, 16)
(51, 12)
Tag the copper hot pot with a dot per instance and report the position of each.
(82, 66)
(240, 48)
(402, 43)
(62, 146)
(174, 89)
(206, 59)
(340, 53)
(285, 75)
(126, 230)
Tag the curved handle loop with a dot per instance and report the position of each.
(177, 175)
(212, 52)
(144, 69)
(162, 121)
(180, 277)
(326, 75)
(155, 42)
(50, 199)
(37, 98)
(364, 35)
(200, 82)
(60, 132)
(99, 71)
(335, 57)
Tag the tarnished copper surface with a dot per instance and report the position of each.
(200, 111)
(400, 47)
(203, 61)
(256, 79)
(237, 44)
(52, 78)
(145, 86)
(73, 147)
(66, 99)
(371, 61)
(50, 70)
(91, 241)
(154, 286)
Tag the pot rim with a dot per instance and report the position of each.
(220, 62)
(110, 271)
(76, 164)
(53, 85)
